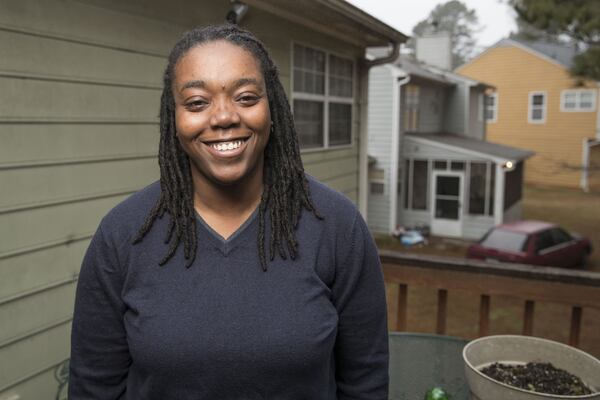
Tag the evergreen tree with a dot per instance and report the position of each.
(577, 19)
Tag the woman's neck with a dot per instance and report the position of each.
(225, 207)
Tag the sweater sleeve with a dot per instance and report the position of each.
(99, 352)
(361, 349)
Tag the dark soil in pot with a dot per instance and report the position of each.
(537, 377)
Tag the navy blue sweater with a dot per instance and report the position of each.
(312, 328)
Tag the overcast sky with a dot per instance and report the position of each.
(495, 18)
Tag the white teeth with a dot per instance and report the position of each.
(224, 146)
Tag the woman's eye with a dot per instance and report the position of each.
(196, 105)
(248, 99)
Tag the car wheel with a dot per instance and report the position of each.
(585, 259)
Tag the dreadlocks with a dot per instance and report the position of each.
(285, 190)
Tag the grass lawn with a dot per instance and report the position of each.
(575, 211)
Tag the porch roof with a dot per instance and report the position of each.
(469, 145)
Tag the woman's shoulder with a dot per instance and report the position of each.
(129, 214)
(329, 202)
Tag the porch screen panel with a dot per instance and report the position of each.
(513, 185)
(492, 193)
(419, 185)
(477, 180)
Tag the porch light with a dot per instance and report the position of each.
(507, 166)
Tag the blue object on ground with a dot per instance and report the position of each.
(411, 238)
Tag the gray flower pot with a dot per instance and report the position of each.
(522, 349)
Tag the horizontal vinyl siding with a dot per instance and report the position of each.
(431, 107)
(454, 117)
(81, 83)
(81, 86)
(475, 226)
(558, 141)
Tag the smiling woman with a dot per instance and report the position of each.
(175, 300)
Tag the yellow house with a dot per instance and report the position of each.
(537, 105)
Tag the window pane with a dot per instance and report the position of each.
(570, 100)
(457, 166)
(437, 164)
(308, 116)
(477, 188)
(537, 114)
(420, 184)
(586, 100)
(340, 76)
(340, 124)
(407, 180)
(537, 100)
(504, 240)
(446, 209)
(544, 240)
(492, 175)
(377, 188)
(309, 70)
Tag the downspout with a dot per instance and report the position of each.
(363, 144)
(401, 80)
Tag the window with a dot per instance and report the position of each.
(481, 188)
(578, 100)
(377, 188)
(491, 108)
(376, 181)
(417, 179)
(504, 240)
(537, 108)
(411, 109)
(440, 164)
(323, 86)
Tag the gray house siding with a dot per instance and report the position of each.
(81, 83)
(431, 107)
(454, 118)
(381, 86)
(476, 117)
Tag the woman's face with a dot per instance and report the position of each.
(222, 112)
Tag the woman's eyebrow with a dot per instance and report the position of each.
(199, 84)
(193, 84)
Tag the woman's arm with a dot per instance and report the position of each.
(100, 357)
(361, 350)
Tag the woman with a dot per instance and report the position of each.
(175, 299)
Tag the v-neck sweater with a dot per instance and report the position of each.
(310, 328)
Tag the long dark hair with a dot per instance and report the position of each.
(285, 186)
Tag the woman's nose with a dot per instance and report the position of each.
(224, 115)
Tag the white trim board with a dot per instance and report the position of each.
(496, 159)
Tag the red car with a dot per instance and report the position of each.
(532, 242)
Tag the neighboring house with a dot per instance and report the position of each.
(81, 83)
(539, 106)
(430, 162)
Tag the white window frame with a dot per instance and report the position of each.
(325, 98)
(494, 108)
(577, 93)
(544, 108)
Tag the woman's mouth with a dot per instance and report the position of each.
(230, 148)
(224, 146)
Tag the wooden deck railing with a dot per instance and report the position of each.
(577, 289)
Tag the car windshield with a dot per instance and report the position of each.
(505, 240)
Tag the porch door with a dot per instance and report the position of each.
(447, 204)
